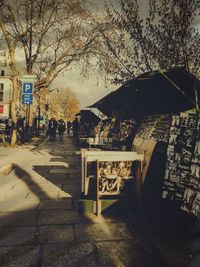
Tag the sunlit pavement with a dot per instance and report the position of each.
(40, 224)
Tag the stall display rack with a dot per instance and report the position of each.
(102, 157)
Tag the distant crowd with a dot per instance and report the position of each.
(52, 128)
(60, 126)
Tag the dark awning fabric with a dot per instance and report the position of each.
(153, 93)
(91, 114)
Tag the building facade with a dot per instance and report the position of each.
(5, 85)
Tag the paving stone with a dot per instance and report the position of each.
(58, 175)
(127, 253)
(19, 205)
(90, 261)
(64, 195)
(55, 171)
(63, 160)
(103, 231)
(75, 180)
(58, 233)
(7, 180)
(76, 171)
(41, 169)
(70, 152)
(41, 195)
(21, 256)
(58, 159)
(58, 217)
(74, 163)
(67, 171)
(72, 187)
(74, 194)
(36, 180)
(55, 205)
(58, 153)
(58, 180)
(72, 254)
(74, 176)
(92, 218)
(16, 235)
(58, 165)
(16, 194)
(76, 204)
(74, 159)
(45, 187)
(18, 218)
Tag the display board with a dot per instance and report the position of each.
(155, 127)
(182, 174)
(112, 176)
(111, 170)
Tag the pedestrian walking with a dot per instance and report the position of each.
(52, 127)
(61, 129)
(75, 126)
(69, 125)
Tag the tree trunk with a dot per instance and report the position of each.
(13, 111)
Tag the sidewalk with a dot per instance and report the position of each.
(40, 224)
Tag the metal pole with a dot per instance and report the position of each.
(39, 114)
(196, 97)
(30, 67)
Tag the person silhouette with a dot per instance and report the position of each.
(61, 129)
(52, 127)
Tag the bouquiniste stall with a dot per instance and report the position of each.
(148, 116)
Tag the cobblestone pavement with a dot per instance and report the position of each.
(40, 224)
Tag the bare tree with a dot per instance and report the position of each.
(166, 37)
(50, 36)
(64, 103)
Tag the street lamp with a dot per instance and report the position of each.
(48, 100)
(39, 112)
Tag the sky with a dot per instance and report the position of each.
(88, 91)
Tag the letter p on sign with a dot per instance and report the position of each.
(27, 88)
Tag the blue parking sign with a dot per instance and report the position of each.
(27, 88)
(27, 99)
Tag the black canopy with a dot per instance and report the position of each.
(171, 91)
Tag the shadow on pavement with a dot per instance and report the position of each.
(48, 231)
(33, 220)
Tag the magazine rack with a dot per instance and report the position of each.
(112, 168)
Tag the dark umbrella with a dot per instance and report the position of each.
(170, 92)
(91, 115)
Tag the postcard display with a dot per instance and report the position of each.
(101, 132)
(155, 127)
(106, 134)
(112, 170)
(182, 175)
(126, 131)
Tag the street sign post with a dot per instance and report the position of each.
(27, 99)
(27, 92)
(27, 88)
(28, 78)
(27, 96)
